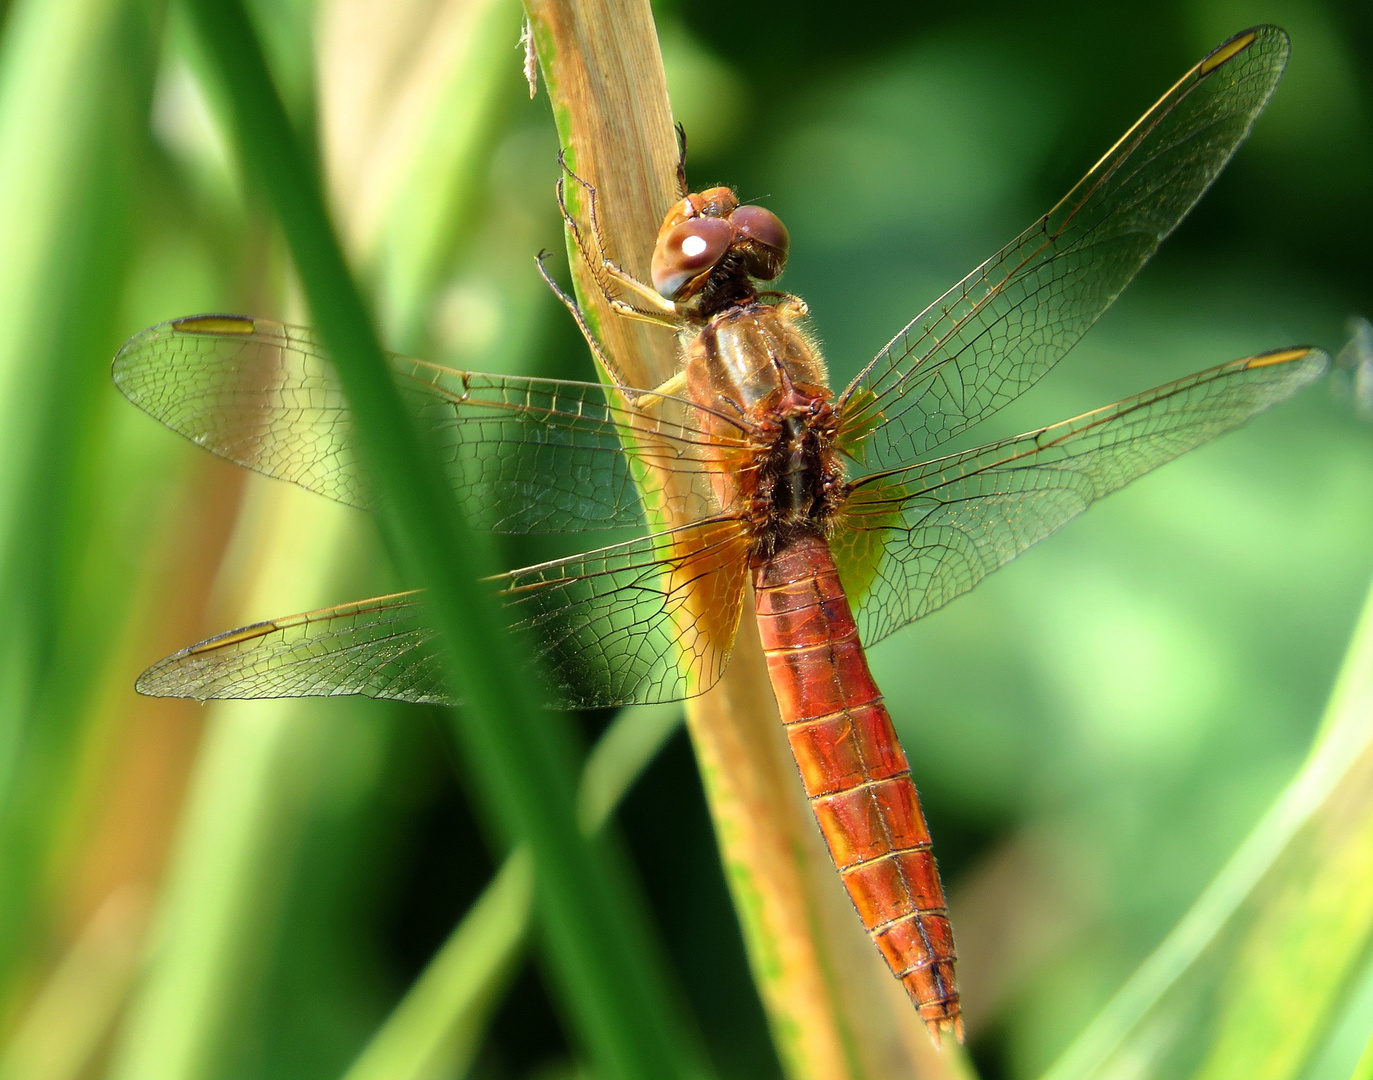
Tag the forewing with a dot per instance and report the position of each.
(522, 455)
(379, 648)
(911, 540)
(996, 332)
(647, 621)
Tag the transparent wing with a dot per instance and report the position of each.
(378, 648)
(996, 332)
(523, 455)
(911, 540)
(646, 621)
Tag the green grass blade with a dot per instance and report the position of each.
(71, 76)
(1346, 1036)
(418, 203)
(520, 762)
(246, 802)
(1249, 984)
(410, 105)
(437, 1028)
(179, 1023)
(67, 1025)
(1364, 1069)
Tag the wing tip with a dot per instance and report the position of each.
(1319, 359)
(123, 368)
(155, 682)
(170, 677)
(1238, 43)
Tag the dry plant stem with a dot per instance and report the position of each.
(604, 74)
(835, 1011)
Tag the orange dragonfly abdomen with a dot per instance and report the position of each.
(855, 772)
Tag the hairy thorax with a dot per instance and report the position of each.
(753, 363)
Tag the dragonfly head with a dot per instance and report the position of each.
(701, 230)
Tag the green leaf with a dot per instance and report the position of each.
(74, 74)
(436, 1030)
(520, 762)
(1253, 981)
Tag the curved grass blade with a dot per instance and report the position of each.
(74, 83)
(67, 1025)
(1248, 983)
(202, 954)
(597, 944)
(252, 780)
(436, 1029)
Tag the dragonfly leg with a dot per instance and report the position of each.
(605, 270)
(597, 349)
(673, 387)
(792, 305)
(681, 159)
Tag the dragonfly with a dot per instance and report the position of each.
(745, 476)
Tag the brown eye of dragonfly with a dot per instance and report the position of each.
(687, 251)
(767, 253)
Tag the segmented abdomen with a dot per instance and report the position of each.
(855, 772)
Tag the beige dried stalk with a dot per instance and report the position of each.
(836, 1012)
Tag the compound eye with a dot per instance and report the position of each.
(687, 251)
(761, 226)
(764, 241)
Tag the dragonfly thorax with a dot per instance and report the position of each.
(800, 478)
(753, 367)
(743, 356)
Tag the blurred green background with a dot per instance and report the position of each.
(247, 890)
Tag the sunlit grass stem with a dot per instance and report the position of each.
(520, 761)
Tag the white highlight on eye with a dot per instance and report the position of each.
(693, 246)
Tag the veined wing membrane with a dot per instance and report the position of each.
(523, 455)
(996, 332)
(911, 540)
(646, 621)
(378, 648)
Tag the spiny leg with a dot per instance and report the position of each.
(673, 387)
(682, 187)
(604, 270)
(597, 349)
